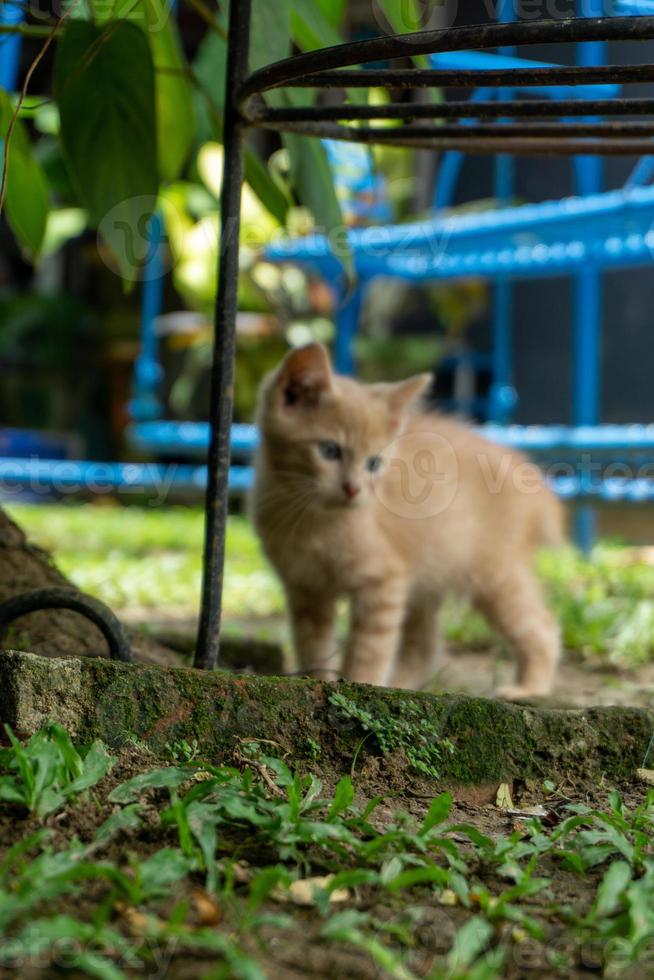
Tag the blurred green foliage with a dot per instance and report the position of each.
(135, 559)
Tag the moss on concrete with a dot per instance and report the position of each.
(96, 698)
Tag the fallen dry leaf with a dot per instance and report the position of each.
(242, 872)
(503, 799)
(302, 892)
(202, 776)
(137, 923)
(529, 811)
(207, 911)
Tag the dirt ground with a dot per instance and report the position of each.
(580, 683)
(300, 952)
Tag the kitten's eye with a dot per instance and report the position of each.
(330, 450)
(373, 464)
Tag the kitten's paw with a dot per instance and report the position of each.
(516, 692)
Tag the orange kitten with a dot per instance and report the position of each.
(360, 494)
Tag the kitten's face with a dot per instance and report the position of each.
(328, 436)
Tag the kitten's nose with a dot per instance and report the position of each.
(350, 489)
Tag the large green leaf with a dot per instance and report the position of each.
(404, 16)
(313, 181)
(334, 10)
(104, 85)
(264, 185)
(270, 36)
(27, 199)
(209, 69)
(312, 27)
(175, 112)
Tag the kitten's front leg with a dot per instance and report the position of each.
(377, 615)
(312, 624)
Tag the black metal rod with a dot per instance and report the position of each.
(224, 345)
(409, 78)
(454, 110)
(504, 130)
(92, 609)
(429, 137)
(453, 39)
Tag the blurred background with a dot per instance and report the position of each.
(74, 316)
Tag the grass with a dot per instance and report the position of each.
(137, 559)
(235, 863)
(133, 557)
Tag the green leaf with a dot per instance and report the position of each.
(265, 882)
(11, 793)
(202, 819)
(417, 876)
(312, 27)
(264, 185)
(404, 16)
(240, 964)
(343, 796)
(163, 869)
(27, 197)
(174, 102)
(169, 778)
(23, 764)
(21, 847)
(439, 810)
(333, 10)
(49, 801)
(270, 37)
(96, 765)
(471, 939)
(312, 179)
(612, 888)
(104, 85)
(65, 932)
(71, 757)
(126, 819)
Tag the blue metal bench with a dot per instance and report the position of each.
(580, 236)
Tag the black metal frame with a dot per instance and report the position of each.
(332, 68)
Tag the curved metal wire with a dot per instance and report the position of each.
(92, 609)
(332, 67)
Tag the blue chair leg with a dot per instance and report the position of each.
(587, 322)
(586, 369)
(502, 395)
(10, 45)
(148, 372)
(347, 323)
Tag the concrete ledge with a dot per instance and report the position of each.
(491, 741)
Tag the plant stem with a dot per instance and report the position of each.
(27, 30)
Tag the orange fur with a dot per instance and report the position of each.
(445, 511)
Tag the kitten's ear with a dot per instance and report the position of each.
(403, 394)
(305, 375)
